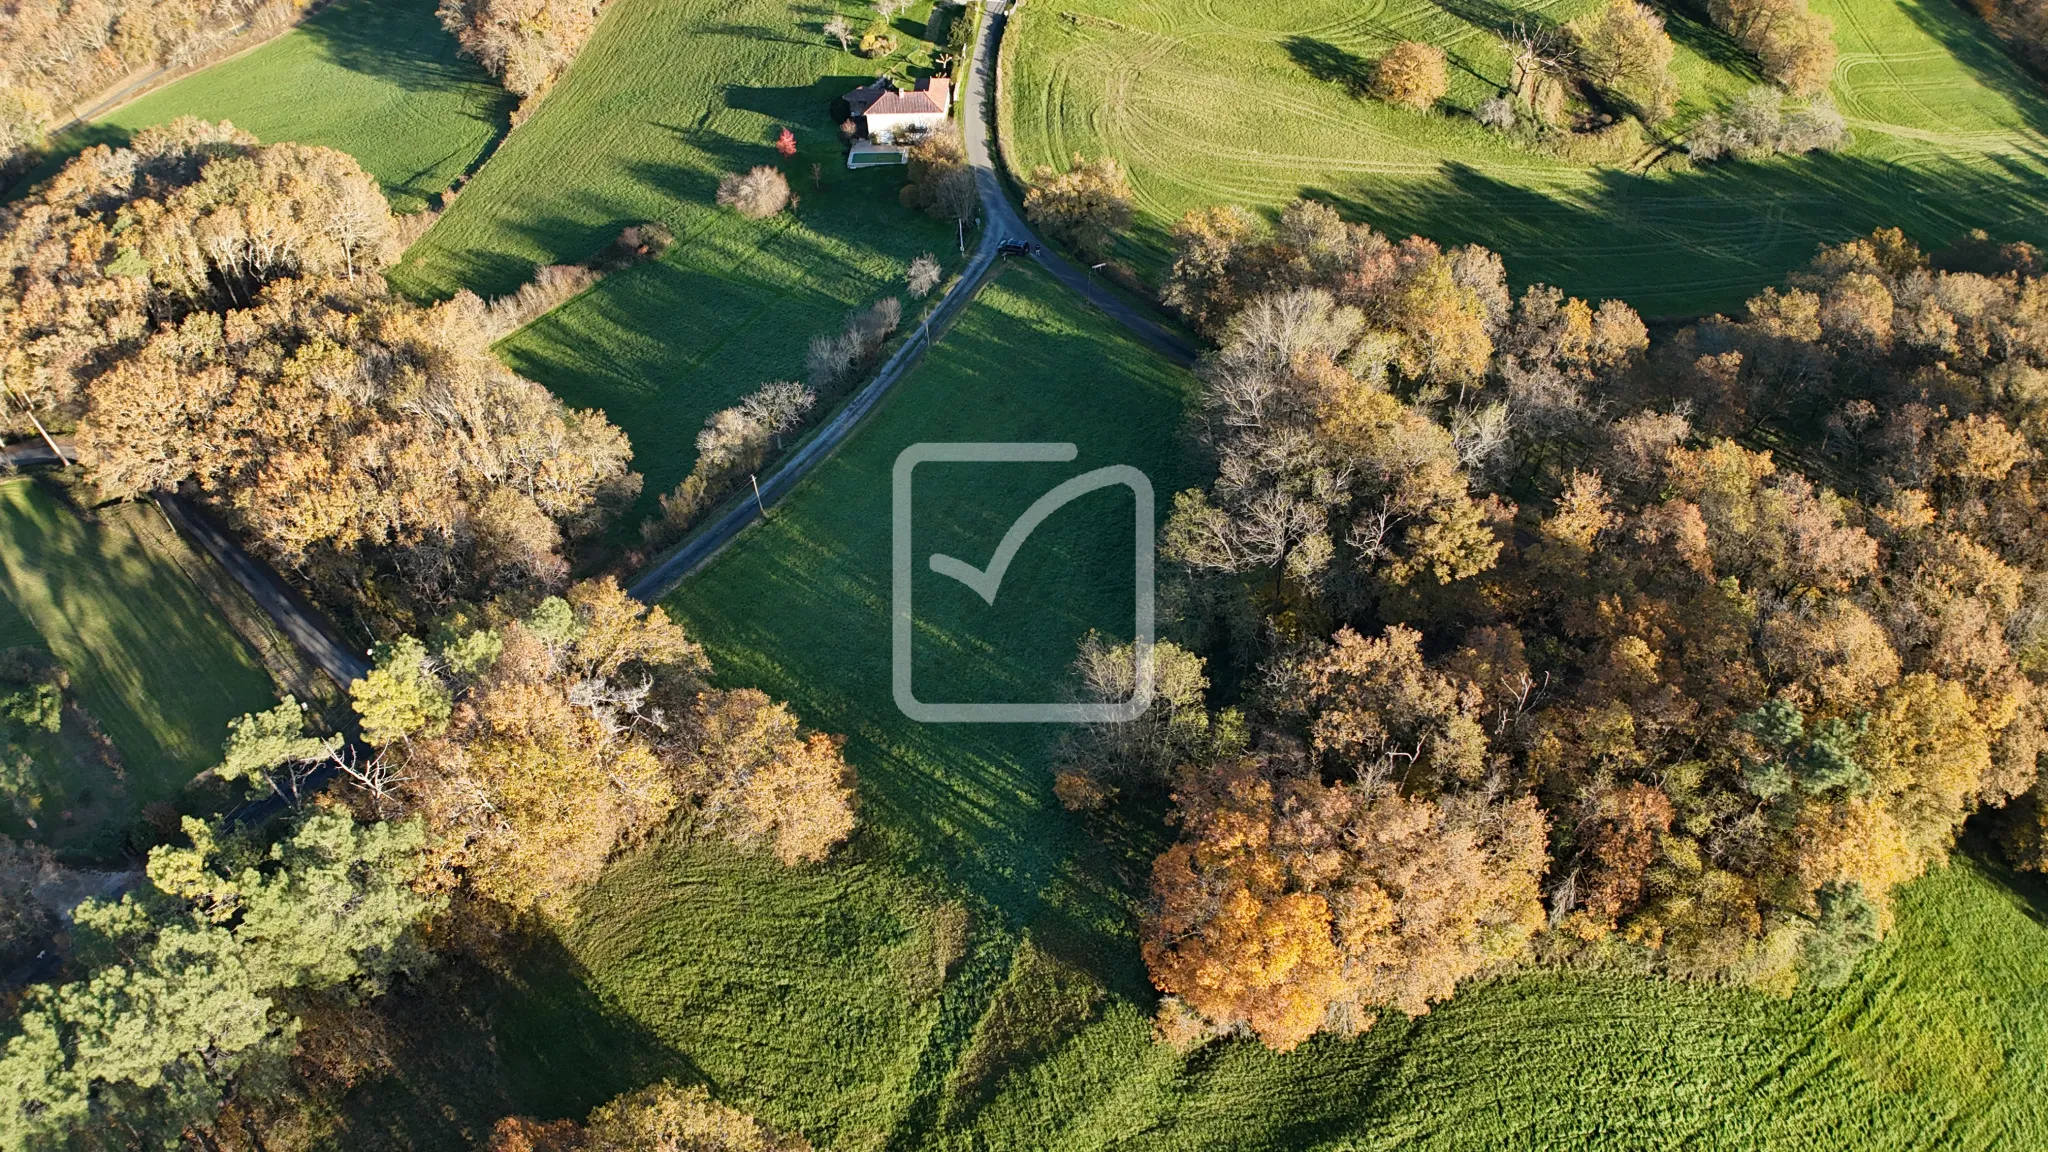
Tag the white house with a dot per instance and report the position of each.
(888, 113)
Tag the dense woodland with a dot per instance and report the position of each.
(1550, 640)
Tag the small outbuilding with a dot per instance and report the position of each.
(887, 113)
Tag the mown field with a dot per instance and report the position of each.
(1252, 102)
(148, 658)
(667, 96)
(814, 996)
(378, 79)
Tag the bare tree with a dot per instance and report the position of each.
(923, 276)
(840, 29)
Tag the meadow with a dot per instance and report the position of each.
(378, 79)
(149, 660)
(668, 96)
(963, 975)
(1255, 102)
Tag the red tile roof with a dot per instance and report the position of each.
(932, 96)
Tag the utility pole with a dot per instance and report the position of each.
(754, 479)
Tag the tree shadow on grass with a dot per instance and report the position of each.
(1976, 48)
(473, 1045)
(1711, 236)
(1688, 23)
(398, 43)
(1331, 64)
(1495, 17)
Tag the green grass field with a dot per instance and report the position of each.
(378, 79)
(1250, 102)
(148, 659)
(668, 95)
(812, 996)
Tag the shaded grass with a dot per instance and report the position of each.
(147, 657)
(378, 79)
(1255, 102)
(667, 96)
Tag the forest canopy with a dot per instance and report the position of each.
(1550, 639)
(212, 314)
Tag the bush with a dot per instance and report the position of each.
(1759, 124)
(1412, 75)
(1497, 113)
(757, 195)
(877, 41)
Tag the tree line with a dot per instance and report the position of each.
(1540, 638)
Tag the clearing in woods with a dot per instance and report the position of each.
(378, 79)
(964, 973)
(149, 660)
(668, 96)
(1255, 102)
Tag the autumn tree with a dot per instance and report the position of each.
(1175, 728)
(1795, 46)
(526, 44)
(1289, 906)
(841, 29)
(1412, 74)
(1085, 206)
(1624, 49)
(571, 731)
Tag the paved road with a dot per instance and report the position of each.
(1003, 216)
(1002, 222)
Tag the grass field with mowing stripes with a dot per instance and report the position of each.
(669, 95)
(378, 79)
(148, 658)
(1252, 102)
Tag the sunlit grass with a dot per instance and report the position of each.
(1246, 102)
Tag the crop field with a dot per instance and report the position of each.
(148, 659)
(964, 973)
(1255, 102)
(378, 79)
(668, 96)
